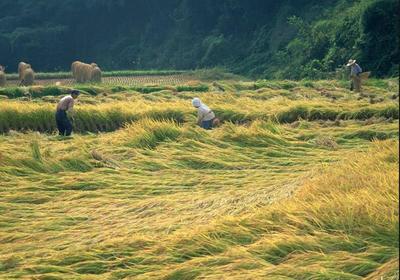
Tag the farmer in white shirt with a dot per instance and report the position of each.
(65, 113)
(205, 115)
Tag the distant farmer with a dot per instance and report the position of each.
(205, 116)
(65, 113)
(355, 75)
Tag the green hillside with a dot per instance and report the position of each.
(263, 38)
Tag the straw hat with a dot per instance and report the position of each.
(351, 62)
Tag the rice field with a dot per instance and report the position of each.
(173, 79)
(299, 182)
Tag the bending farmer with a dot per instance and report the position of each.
(65, 113)
(205, 115)
(355, 75)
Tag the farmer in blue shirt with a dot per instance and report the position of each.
(355, 75)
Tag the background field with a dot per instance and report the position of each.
(299, 182)
(123, 78)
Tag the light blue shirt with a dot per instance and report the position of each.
(355, 69)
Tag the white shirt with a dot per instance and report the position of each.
(66, 103)
(204, 113)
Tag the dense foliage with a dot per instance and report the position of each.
(264, 38)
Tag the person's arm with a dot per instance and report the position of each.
(200, 116)
(351, 71)
(359, 70)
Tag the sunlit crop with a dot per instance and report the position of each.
(300, 181)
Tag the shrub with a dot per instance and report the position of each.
(389, 112)
(370, 135)
(322, 114)
(199, 88)
(37, 92)
(13, 92)
(147, 133)
(293, 114)
(169, 114)
(364, 114)
(148, 89)
(229, 115)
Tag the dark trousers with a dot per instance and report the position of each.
(64, 125)
(207, 124)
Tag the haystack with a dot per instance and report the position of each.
(82, 72)
(365, 75)
(22, 66)
(96, 75)
(74, 66)
(28, 77)
(2, 76)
